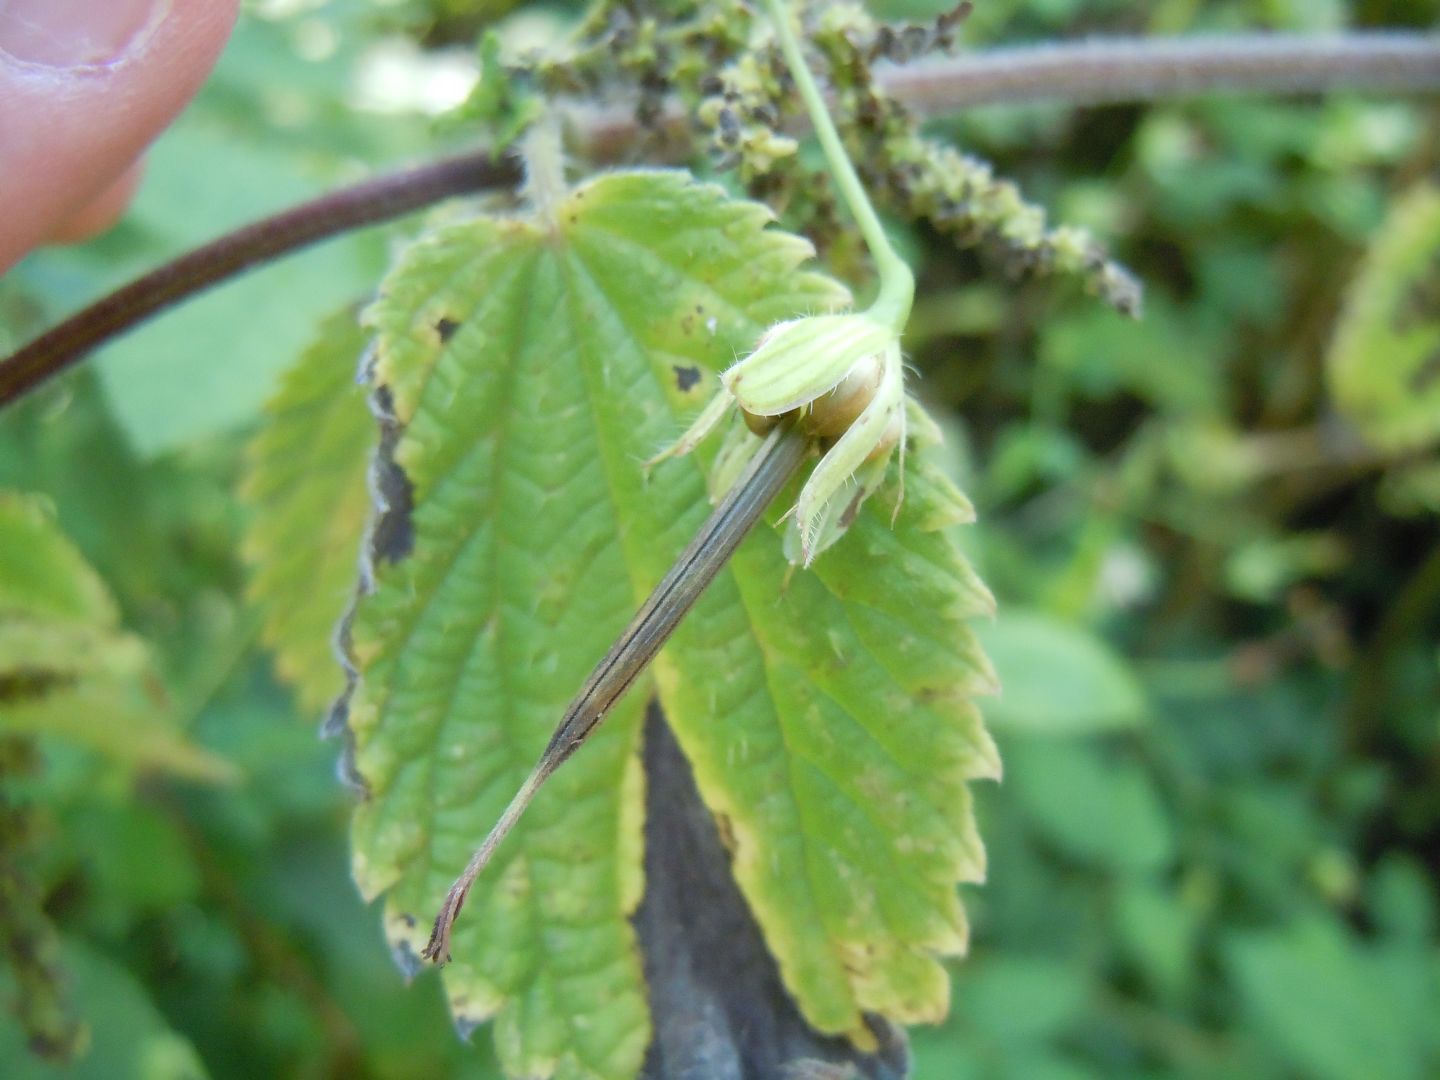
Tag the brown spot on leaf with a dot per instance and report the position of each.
(446, 328)
(686, 378)
(726, 828)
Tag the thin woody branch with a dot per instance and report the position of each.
(1093, 72)
(1120, 71)
(368, 203)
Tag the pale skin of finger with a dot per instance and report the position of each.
(102, 211)
(70, 136)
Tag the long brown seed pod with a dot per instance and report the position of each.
(774, 463)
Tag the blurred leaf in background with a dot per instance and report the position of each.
(306, 479)
(1058, 679)
(66, 669)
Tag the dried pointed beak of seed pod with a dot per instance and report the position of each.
(769, 469)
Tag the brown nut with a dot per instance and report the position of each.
(831, 414)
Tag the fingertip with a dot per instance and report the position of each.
(101, 212)
(68, 134)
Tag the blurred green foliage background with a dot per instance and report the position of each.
(1215, 851)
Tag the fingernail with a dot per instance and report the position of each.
(76, 33)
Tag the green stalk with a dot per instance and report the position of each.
(897, 283)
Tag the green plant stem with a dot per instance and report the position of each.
(897, 283)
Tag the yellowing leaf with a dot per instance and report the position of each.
(531, 367)
(1385, 363)
(41, 573)
(305, 478)
(66, 667)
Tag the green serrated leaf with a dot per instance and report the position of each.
(1384, 366)
(305, 478)
(42, 575)
(66, 667)
(534, 367)
(828, 720)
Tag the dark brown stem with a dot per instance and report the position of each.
(368, 203)
(1119, 71)
(1084, 73)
